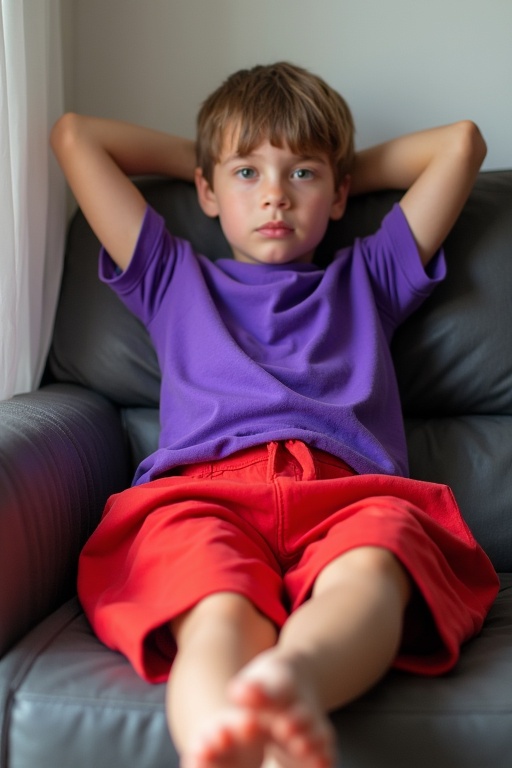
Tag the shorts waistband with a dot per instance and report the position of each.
(291, 458)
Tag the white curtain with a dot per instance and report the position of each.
(32, 191)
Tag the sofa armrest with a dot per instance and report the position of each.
(62, 453)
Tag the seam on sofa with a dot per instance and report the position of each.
(91, 703)
(25, 665)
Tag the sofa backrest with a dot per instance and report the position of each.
(453, 357)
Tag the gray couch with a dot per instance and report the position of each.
(68, 702)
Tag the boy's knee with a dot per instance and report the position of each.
(372, 562)
(224, 609)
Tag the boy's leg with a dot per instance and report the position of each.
(348, 634)
(331, 650)
(216, 639)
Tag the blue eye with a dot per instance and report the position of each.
(303, 173)
(246, 173)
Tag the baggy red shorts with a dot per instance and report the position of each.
(263, 523)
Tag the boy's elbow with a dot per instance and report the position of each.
(64, 132)
(471, 143)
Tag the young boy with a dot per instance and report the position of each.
(273, 544)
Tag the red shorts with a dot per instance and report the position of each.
(264, 523)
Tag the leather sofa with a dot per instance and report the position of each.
(67, 701)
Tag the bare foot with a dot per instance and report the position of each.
(234, 738)
(297, 731)
(274, 721)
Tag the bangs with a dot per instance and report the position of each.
(282, 104)
(283, 128)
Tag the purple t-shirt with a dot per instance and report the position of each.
(251, 353)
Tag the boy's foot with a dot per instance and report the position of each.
(275, 721)
(232, 740)
(297, 729)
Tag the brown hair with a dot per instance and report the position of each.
(281, 103)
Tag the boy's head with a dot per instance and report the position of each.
(280, 103)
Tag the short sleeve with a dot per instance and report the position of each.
(142, 285)
(401, 283)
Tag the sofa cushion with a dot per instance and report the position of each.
(69, 697)
(473, 455)
(453, 357)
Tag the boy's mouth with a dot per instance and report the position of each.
(275, 229)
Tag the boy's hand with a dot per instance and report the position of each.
(98, 156)
(438, 168)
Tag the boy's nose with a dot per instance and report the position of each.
(275, 195)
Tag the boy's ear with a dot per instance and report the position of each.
(340, 199)
(205, 194)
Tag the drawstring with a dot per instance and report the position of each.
(272, 458)
(301, 452)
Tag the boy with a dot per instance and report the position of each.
(273, 544)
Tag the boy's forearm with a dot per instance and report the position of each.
(437, 168)
(398, 163)
(99, 156)
(135, 149)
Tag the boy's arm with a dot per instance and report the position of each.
(98, 156)
(438, 168)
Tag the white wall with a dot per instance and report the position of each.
(401, 64)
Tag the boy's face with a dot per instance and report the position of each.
(273, 205)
